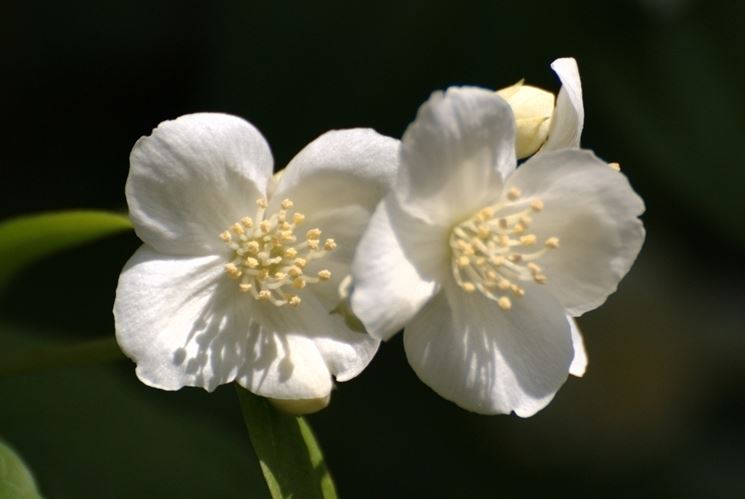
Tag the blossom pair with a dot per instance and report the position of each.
(286, 283)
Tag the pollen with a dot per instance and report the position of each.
(269, 258)
(496, 251)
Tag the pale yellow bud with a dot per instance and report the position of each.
(299, 407)
(533, 108)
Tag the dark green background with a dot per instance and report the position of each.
(661, 411)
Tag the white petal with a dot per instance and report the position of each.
(345, 352)
(488, 360)
(185, 324)
(593, 211)
(579, 362)
(453, 156)
(336, 182)
(162, 312)
(194, 177)
(396, 269)
(569, 114)
(355, 166)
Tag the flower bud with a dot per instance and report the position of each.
(299, 407)
(533, 108)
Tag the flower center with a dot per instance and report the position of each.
(268, 261)
(493, 250)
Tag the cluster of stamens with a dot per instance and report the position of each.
(494, 250)
(268, 261)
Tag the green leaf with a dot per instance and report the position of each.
(290, 457)
(26, 239)
(16, 481)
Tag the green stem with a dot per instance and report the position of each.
(34, 359)
(288, 452)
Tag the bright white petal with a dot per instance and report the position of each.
(185, 324)
(396, 269)
(593, 211)
(569, 114)
(488, 360)
(453, 156)
(579, 362)
(194, 177)
(340, 167)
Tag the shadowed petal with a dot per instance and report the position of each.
(395, 270)
(489, 360)
(185, 324)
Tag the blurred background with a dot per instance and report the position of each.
(661, 410)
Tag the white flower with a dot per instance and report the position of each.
(232, 284)
(538, 122)
(483, 262)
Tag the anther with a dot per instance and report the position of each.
(497, 260)
(534, 267)
(536, 205)
(514, 193)
(232, 270)
(504, 303)
(265, 259)
(463, 261)
(468, 287)
(527, 240)
(552, 242)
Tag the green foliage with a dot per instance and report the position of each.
(16, 481)
(26, 239)
(290, 457)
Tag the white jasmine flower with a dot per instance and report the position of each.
(235, 284)
(538, 123)
(483, 262)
